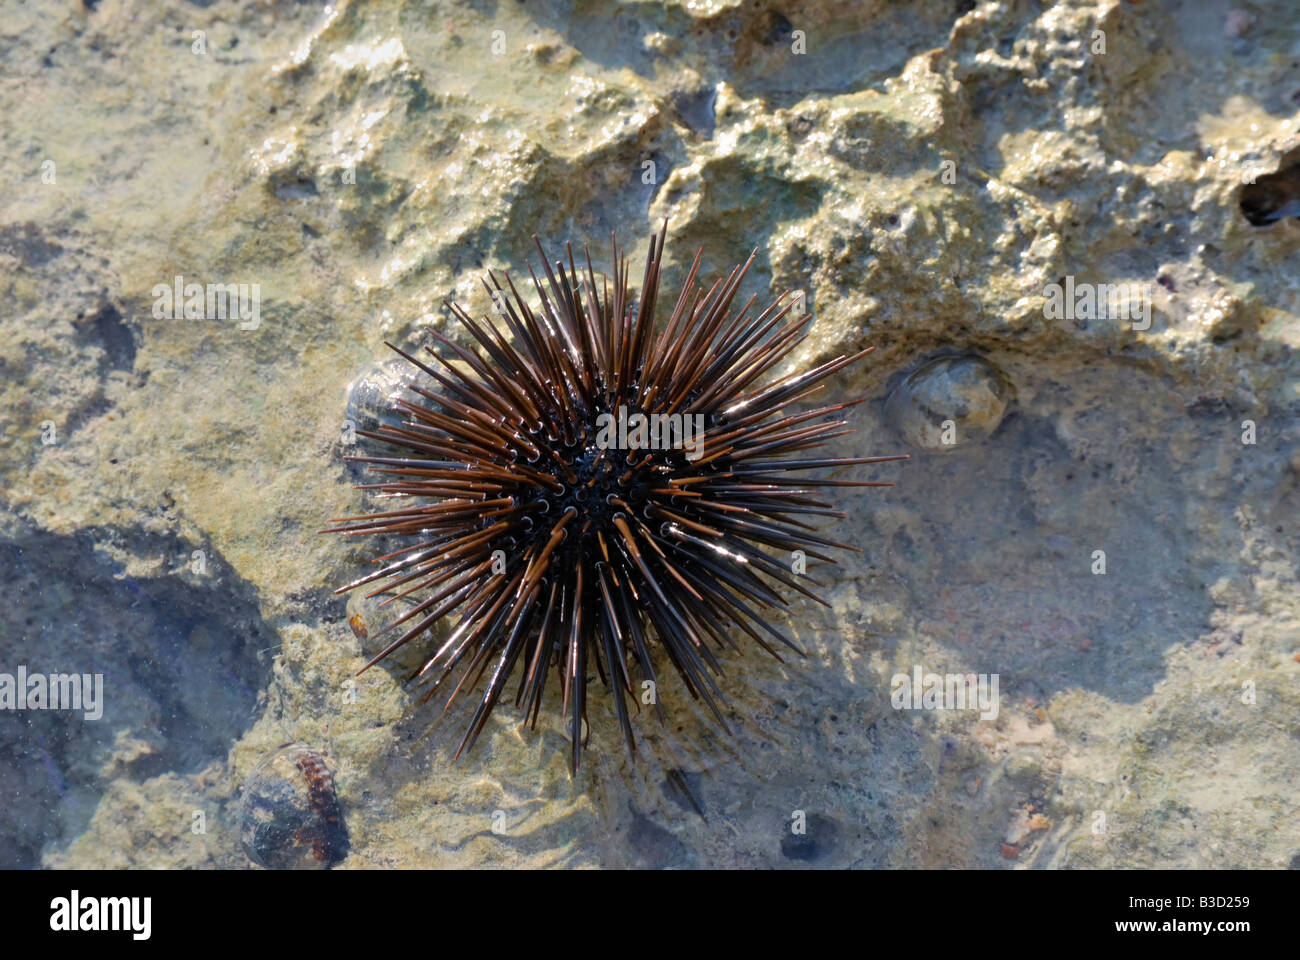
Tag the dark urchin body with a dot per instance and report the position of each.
(558, 552)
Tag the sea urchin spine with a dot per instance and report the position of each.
(564, 542)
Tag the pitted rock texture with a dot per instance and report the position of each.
(923, 172)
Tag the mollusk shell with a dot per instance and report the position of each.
(289, 817)
(949, 401)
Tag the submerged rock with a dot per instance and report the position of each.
(893, 163)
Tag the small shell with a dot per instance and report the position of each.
(368, 616)
(289, 817)
(372, 402)
(949, 401)
(372, 396)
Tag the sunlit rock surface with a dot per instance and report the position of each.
(932, 176)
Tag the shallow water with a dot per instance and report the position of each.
(1118, 549)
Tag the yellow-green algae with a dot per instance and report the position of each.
(920, 177)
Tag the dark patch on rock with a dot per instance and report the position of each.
(181, 656)
(654, 846)
(817, 843)
(1273, 197)
(106, 327)
(695, 108)
(25, 242)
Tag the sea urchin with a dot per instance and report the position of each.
(589, 487)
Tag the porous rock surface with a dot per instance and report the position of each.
(921, 171)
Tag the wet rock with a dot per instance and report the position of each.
(900, 207)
